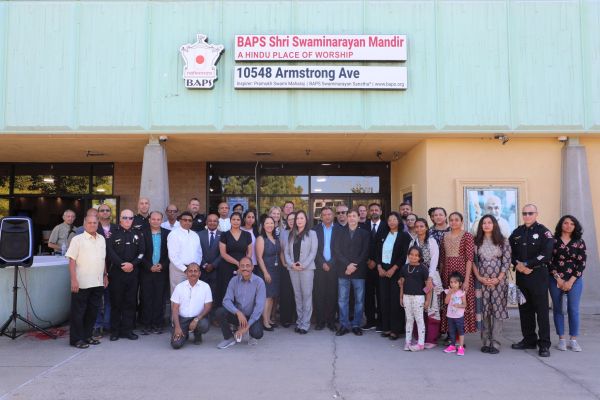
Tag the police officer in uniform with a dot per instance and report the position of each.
(532, 244)
(126, 251)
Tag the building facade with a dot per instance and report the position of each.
(503, 99)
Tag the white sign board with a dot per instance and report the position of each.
(320, 47)
(319, 77)
(200, 58)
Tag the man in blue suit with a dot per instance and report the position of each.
(211, 256)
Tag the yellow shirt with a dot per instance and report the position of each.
(89, 253)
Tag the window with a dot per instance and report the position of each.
(344, 184)
(52, 179)
(5, 179)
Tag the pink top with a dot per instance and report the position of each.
(453, 311)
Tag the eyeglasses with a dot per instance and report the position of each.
(127, 218)
(341, 212)
(172, 211)
(104, 210)
(185, 220)
(528, 213)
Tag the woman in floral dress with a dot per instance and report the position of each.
(493, 260)
(456, 255)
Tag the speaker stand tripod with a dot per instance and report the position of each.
(16, 316)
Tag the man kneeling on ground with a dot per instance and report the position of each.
(190, 304)
(243, 305)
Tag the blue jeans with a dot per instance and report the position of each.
(573, 298)
(456, 328)
(344, 300)
(103, 318)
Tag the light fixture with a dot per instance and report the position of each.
(48, 180)
(318, 190)
(326, 164)
(101, 190)
(322, 179)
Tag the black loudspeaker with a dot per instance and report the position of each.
(16, 241)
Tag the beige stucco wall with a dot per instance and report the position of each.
(410, 174)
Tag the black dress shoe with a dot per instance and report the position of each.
(297, 330)
(92, 341)
(198, 338)
(131, 336)
(393, 336)
(493, 350)
(80, 344)
(544, 352)
(522, 345)
(303, 331)
(385, 334)
(269, 328)
(274, 325)
(286, 324)
(485, 349)
(145, 332)
(342, 331)
(319, 327)
(114, 337)
(357, 331)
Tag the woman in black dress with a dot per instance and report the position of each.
(235, 244)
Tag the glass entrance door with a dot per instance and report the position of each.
(317, 204)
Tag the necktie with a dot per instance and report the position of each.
(212, 239)
(374, 230)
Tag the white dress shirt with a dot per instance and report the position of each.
(167, 225)
(224, 224)
(184, 248)
(191, 299)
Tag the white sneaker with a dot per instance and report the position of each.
(562, 345)
(406, 346)
(252, 342)
(226, 343)
(574, 346)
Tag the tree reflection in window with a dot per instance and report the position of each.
(51, 184)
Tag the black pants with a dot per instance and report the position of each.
(184, 322)
(535, 289)
(372, 305)
(392, 315)
(287, 303)
(123, 298)
(224, 274)
(211, 279)
(226, 318)
(325, 296)
(84, 310)
(153, 292)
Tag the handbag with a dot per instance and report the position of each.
(515, 296)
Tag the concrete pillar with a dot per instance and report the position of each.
(576, 199)
(155, 176)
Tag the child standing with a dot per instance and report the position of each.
(413, 279)
(456, 301)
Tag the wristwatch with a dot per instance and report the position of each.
(196, 319)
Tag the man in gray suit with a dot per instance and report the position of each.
(211, 256)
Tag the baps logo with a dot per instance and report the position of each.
(200, 58)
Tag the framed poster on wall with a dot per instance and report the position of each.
(500, 201)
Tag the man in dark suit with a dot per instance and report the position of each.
(351, 250)
(211, 256)
(154, 275)
(325, 281)
(105, 228)
(377, 228)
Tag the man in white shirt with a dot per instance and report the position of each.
(171, 222)
(224, 222)
(87, 254)
(184, 248)
(190, 304)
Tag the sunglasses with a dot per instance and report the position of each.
(528, 213)
(172, 211)
(105, 210)
(127, 218)
(341, 212)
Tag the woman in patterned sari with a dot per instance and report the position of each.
(456, 255)
(492, 255)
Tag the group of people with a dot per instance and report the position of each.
(356, 270)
